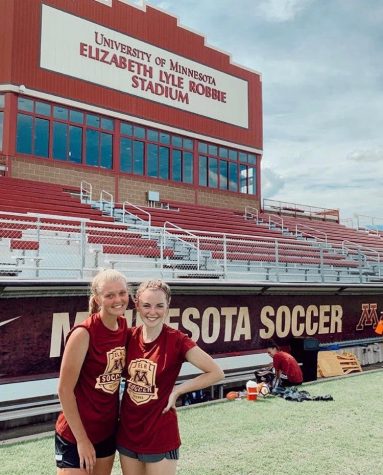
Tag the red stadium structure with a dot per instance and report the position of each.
(127, 142)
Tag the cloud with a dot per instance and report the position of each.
(375, 155)
(272, 183)
(280, 10)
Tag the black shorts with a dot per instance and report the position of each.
(67, 455)
(149, 458)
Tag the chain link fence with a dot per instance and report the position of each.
(35, 246)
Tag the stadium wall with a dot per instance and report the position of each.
(123, 188)
(225, 320)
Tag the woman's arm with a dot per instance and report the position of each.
(212, 373)
(74, 355)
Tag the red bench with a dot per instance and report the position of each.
(24, 245)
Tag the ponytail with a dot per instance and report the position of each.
(93, 305)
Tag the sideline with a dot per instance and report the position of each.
(50, 433)
(26, 438)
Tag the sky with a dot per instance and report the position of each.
(322, 77)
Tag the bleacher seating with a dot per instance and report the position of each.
(333, 234)
(31, 212)
(37, 219)
(26, 196)
(257, 242)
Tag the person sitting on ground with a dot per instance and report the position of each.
(287, 370)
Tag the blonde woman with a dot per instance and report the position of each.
(148, 437)
(91, 368)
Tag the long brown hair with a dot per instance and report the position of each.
(107, 275)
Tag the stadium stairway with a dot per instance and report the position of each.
(38, 219)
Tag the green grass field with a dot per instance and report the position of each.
(269, 436)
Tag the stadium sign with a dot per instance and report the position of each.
(33, 329)
(85, 50)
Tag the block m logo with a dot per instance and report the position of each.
(369, 316)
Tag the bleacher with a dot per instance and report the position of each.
(46, 231)
(230, 236)
(332, 233)
(49, 230)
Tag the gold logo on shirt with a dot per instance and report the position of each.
(109, 381)
(141, 384)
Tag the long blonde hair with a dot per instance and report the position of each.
(156, 284)
(107, 275)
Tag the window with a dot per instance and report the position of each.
(76, 116)
(164, 138)
(223, 152)
(58, 132)
(24, 133)
(242, 157)
(176, 165)
(251, 180)
(25, 104)
(177, 141)
(98, 143)
(139, 132)
(157, 154)
(59, 141)
(243, 178)
(67, 137)
(138, 157)
(248, 181)
(152, 164)
(98, 149)
(164, 163)
(42, 108)
(126, 155)
(202, 170)
(92, 147)
(131, 156)
(60, 113)
(227, 169)
(187, 170)
(53, 131)
(41, 138)
(153, 135)
(223, 175)
(75, 144)
(213, 173)
(233, 176)
(106, 154)
(33, 127)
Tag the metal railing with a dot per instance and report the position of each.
(252, 213)
(85, 192)
(367, 256)
(317, 235)
(295, 209)
(369, 223)
(106, 202)
(41, 246)
(126, 212)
